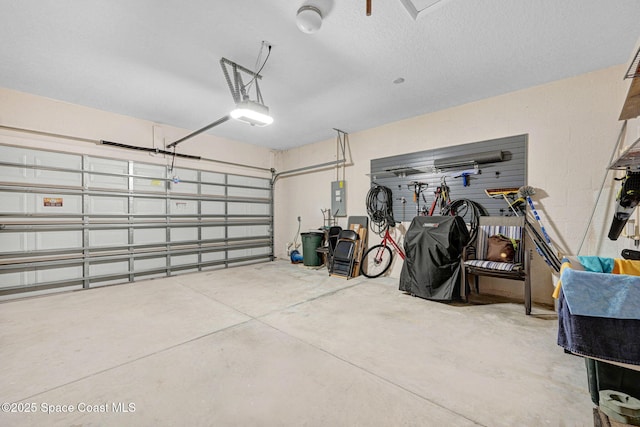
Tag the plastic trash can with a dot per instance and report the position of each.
(310, 242)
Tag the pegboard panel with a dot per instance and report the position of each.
(398, 172)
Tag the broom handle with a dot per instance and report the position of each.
(537, 217)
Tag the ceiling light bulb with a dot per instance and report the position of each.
(309, 19)
(253, 113)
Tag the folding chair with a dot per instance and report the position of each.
(343, 258)
(474, 255)
(331, 241)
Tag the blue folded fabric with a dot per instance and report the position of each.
(608, 339)
(596, 264)
(615, 296)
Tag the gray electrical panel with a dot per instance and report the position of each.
(339, 198)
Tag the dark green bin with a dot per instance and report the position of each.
(310, 242)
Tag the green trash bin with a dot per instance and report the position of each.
(310, 242)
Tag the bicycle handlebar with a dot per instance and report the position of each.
(391, 222)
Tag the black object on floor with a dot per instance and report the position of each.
(433, 245)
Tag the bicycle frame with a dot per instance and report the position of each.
(378, 258)
(389, 239)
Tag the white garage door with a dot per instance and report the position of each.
(72, 221)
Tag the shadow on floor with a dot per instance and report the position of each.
(547, 313)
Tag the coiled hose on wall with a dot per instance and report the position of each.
(470, 211)
(380, 208)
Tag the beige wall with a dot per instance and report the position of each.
(27, 111)
(572, 126)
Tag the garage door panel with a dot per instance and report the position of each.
(183, 207)
(182, 184)
(16, 155)
(213, 208)
(238, 208)
(213, 256)
(111, 182)
(147, 236)
(154, 179)
(58, 274)
(96, 283)
(44, 159)
(248, 181)
(57, 160)
(13, 242)
(150, 276)
(14, 202)
(148, 206)
(248, 192)
(108, 238)
(239, 253)
(58, 178)
(109, 212)
(119, 168)
(16, 279)
(182, 187)
(185, 174)
(212, 177)
(58, 204)
(183, 234)
(16, 174)
(210, 233)
(212, 190)
(149, 264)
(248, 230)
(184, 259)
(109, 268)
(108, 205)
(50, 240)
(150, 171)
(265, 250)
(149, 185)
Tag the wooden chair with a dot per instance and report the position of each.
(473, 261)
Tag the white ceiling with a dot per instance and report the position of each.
(159, 59)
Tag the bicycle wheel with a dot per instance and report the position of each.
(376, 261)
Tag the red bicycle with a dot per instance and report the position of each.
(377, 259)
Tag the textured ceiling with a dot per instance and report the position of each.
(159, 60)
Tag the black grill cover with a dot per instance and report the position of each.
(433, 245)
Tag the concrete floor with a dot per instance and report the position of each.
(277, 344)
